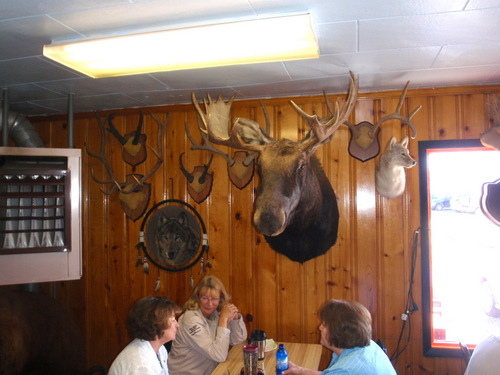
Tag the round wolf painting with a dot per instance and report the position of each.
(174, 236)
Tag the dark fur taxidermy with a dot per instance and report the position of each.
(309, 236)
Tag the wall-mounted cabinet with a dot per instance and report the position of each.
(40, 215)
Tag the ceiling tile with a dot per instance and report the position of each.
(32, 109)
(482, 4)
(26, 37)
(150, 15)
(32, 69)
(365, 62)
(91, 103)
(428, 78)
(338, 37)
(340, 10)
(429, 30)
(26, 92)
(468, 55)
(384, 42)
(332, 84)
(86, 86)
(224, 76)
(155, 98)
(26, 8)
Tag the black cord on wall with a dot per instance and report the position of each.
(410, 307)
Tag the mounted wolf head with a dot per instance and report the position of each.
(390, 177)
(296, 208)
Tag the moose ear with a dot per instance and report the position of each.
(250, 132)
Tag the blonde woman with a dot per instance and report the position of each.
(209, 325)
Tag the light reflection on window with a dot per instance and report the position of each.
(460, 245)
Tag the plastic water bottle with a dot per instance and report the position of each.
(281, 360)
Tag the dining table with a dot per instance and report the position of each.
(302, 354)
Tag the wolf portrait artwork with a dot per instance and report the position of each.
(173, 236)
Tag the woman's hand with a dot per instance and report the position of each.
(293, 369)
(227, 313)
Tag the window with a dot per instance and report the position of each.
(460, 246)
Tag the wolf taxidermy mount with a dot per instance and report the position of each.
(390, 179)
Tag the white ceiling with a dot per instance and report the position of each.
(432, 43)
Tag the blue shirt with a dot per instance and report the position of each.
(366, 360)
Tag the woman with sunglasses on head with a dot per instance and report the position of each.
(208, 326)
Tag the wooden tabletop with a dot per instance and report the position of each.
(305, 355)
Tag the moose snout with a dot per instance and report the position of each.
(269, 223)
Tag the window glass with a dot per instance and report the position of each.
(460, 245)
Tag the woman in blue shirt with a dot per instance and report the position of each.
(346, 330)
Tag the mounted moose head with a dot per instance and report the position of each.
(296, 208)
(390, 177)
(134, 192)
(364, 136)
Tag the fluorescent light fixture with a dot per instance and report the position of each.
(245, 42)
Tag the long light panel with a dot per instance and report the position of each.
(245, 42)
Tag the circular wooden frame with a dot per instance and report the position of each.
(175, 234)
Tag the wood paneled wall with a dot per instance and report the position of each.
(369, 263)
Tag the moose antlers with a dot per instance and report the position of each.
(247, 134)
(213, 124)
(324, 128)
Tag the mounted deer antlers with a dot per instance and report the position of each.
(134, 143)
(364, 142)
(134, 192)
(200, 181)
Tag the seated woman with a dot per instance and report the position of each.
(151, 323)
(347, 331)
(485, 359)
(209, 324)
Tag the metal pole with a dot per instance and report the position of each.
(70, 120)
(5, 117)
